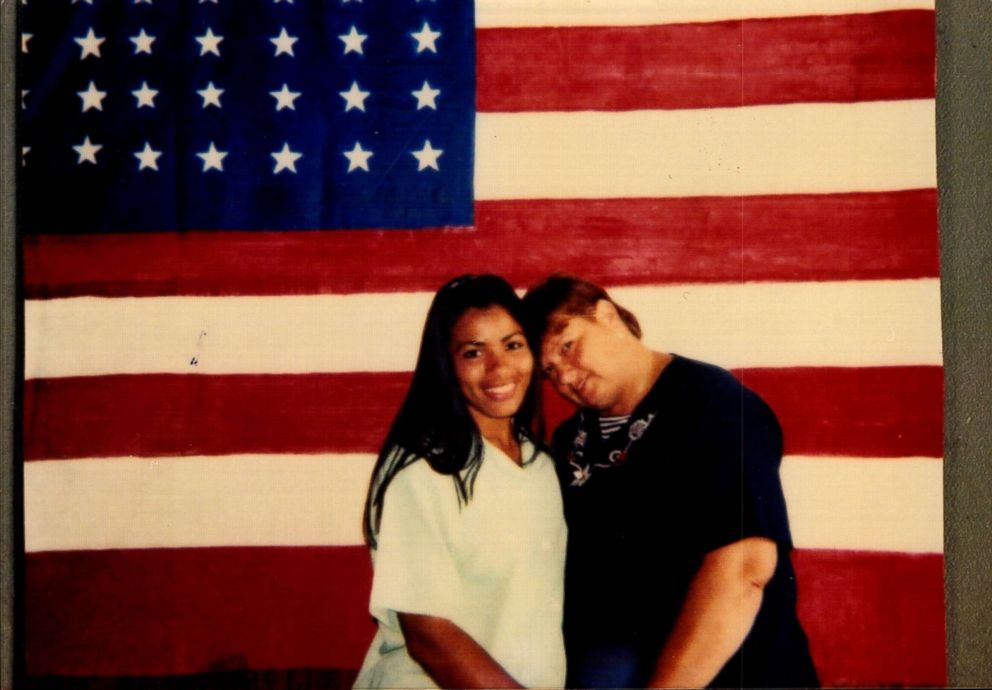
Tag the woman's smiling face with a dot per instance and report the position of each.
(492, 362)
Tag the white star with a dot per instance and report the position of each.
(353, 41)
(92, 97)
(147, 157)
(425, 38)
(210, 95)
(138, 2)
(354, 97)
(427, 156)
(24, 94)
(142, 43)
(426, 96)
(90, 44)
(209, 43)
(345, 2)
(212, 158)
(145, 95)
(210, 1)
(88, 2)
(87, 151)
(289, 1)
(25, 150)
(24, 41)
(285, 159)
(358, 158)
(285, 98)
(284, 43)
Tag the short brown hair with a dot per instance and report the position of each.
(571, 295)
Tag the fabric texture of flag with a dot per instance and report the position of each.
(269, 116)
(234, 214)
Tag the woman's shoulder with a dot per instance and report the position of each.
(415, 470)
(416, 493)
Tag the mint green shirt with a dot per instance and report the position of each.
(493, 567)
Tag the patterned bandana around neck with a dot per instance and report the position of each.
(581, 469)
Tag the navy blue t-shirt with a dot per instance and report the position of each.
(696, 468)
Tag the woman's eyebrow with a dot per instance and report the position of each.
(467, 343)
(478, 343)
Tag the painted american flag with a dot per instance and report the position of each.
(234, 214)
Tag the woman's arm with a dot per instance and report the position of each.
(451, 657)
(718, 612)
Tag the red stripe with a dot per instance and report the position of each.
(884, 411)
(844, 58)
(615, 241)
(162, 612)
(855, 411)
(873, 619)
(167, 414)
(874, 412)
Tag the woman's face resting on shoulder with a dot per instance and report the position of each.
(493, 364)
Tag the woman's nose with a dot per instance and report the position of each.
(566, 374)
(498, 360)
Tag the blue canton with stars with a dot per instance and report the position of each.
(146, 115)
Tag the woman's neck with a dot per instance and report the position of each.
(500, 433)
(645, 368)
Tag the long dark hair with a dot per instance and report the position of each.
(433, 422)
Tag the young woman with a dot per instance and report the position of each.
(464, 514)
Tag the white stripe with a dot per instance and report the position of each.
(233, 500)
(517, 13)
(266, 500)
(853, 323)
(888, 504)
(857, 323)
(779, 149)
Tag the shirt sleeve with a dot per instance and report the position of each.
(415, 570)
(742, 452)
